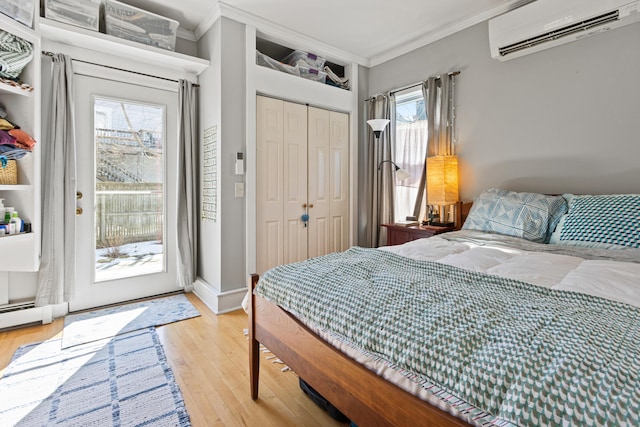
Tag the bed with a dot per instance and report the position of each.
(491, 325)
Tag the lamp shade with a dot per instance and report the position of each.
(402, 174)
(442, 180)
(378, 125)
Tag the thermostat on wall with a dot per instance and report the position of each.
(239, 163)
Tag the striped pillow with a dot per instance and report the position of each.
(606, 221)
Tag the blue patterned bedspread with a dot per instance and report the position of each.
(527, 355)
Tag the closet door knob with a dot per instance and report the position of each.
(310, 205)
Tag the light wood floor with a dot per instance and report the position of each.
(209, 357)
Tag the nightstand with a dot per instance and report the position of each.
(399, 234)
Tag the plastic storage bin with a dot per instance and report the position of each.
(302, 58)
(267, 61)
(20, 10)
(312, 74)
(130, 23)
(81, 13)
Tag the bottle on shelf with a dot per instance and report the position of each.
(16, 223)
(7, 215)
(1, 211)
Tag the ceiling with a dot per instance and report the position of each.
(373, 31)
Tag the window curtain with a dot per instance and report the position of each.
(187, 227)
(438, 95)
(56, 277)
(379, 184)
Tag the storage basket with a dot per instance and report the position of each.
(9, 173)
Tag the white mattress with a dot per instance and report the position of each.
(577, 269)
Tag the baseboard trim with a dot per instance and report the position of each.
(218, 302)
(26, 316)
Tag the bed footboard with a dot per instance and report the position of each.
(363, 396)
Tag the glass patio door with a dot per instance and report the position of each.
(126, 150)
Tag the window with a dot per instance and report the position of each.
(410, 149)
(129, 188)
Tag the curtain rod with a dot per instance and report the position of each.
(50, 54)
(451, 74)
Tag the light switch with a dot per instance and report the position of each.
(239, 189)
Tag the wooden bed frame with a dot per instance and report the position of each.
(364, 397)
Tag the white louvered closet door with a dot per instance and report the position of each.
(328, 181)
(302, 166)
(339, 181)
(281, 136)
(295, 181)
(319, 182)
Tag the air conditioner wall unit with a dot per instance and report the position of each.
(543, 24)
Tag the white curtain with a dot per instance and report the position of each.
(187, 226)
(410, 152)
(56, 278)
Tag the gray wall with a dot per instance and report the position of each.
(566, 119)
(222, 99)
(187, 47)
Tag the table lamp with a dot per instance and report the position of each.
(442, 185)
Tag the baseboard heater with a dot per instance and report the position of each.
(17, 306)
(22, 313)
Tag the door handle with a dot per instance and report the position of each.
(78, 211)
(79, 195)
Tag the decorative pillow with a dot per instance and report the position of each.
(606, 221)
(531, 216)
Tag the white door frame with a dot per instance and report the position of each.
(91, 81)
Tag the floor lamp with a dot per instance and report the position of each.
(378, 126)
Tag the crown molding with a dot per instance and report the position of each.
(443, 32)
(214, 14)
(277, 33)
(271, 31)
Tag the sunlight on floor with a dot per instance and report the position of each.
(48, 366)
(108, 324)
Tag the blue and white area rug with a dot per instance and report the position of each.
(108, 322)
(122, 381)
